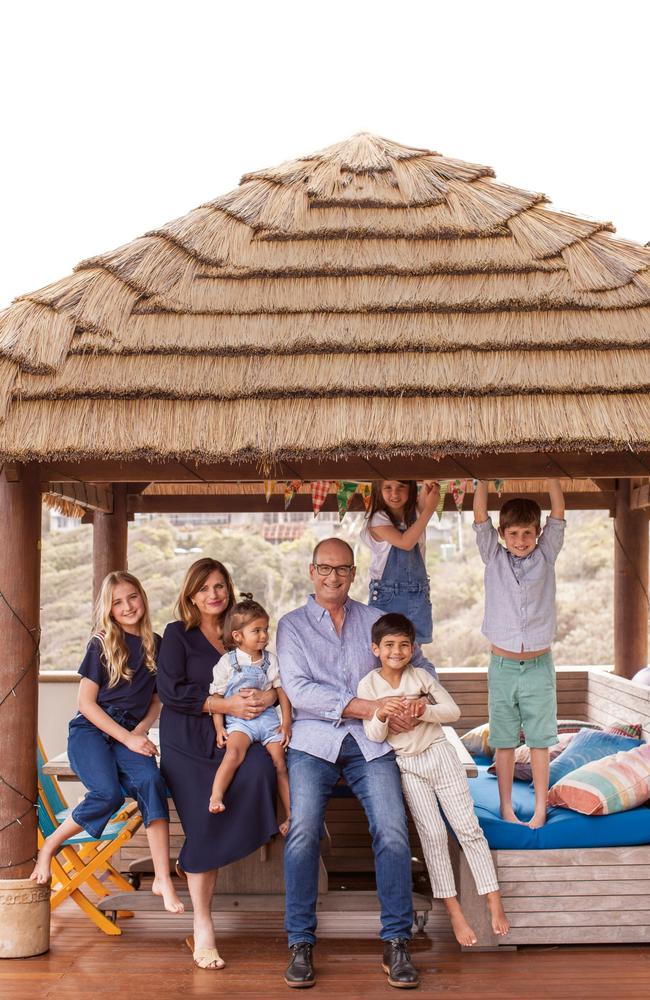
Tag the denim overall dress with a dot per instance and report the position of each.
(263, 729)
(404, 589)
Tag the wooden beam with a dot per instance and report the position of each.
(640, 496)
(513, 465)
(251, 503)
(20, 565)
(630, 584)
(110, 538)
(90, 495)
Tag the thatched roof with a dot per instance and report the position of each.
(370, 299)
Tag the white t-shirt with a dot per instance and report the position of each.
(381, 550)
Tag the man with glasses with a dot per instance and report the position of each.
(324, 650)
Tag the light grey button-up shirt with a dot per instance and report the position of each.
(520, 592)
(320, 672)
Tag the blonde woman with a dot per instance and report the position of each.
(108, 744)
(190, 756)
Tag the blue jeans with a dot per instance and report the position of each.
(376, 784)
(110, 771)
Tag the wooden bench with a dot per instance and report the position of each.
(590, 896)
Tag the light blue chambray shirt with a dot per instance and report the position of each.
(320, 672)
(520, 592)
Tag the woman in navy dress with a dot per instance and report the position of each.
(190, 756)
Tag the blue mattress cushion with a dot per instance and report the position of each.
(563, 828)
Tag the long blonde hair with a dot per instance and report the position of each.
(115, 653)
(195, 577)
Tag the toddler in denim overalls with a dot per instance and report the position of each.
(395, 532)
(248, 664)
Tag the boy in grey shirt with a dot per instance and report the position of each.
(519, 621)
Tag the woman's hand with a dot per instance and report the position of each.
(139, 743)
(247, 704)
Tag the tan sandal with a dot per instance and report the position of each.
(205, 958)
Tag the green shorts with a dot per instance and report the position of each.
(522, 695)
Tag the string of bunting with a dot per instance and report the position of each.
(32, 666)
(346, 489)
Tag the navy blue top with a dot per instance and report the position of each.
(132, 696)
(189, 758)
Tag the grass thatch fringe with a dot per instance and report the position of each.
(469, 209)
(9, 382)
(95, 299)
(370, 293)
(176, 376)
(150, 265)
(542, 232)
(302, 258)
(264, 430)
(35, 336)
(62, 505)
(300, 333)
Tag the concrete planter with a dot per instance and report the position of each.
(24, 918)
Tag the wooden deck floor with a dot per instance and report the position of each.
(150, 962)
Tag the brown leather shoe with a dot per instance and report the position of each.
(397, 963)
(300, 972)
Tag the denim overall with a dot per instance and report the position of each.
(264, 728)
(404, 589)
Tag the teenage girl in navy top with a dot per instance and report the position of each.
(395, 531)
(108, 745)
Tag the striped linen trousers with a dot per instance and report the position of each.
(432, 780)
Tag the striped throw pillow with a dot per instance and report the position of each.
(632, 729)
(610, 785)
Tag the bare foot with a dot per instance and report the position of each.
(500, 924)
(284, 827)
(509, 816)
(165, 888)
(462, 930)
(41, 873)
(216, 804)
(539, 819)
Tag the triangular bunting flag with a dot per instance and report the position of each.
(345, 493)
(269, 488)
(290, 491)
(365, 489)
(444, 485)
(498, 485)
(319, 491)
(458, 488)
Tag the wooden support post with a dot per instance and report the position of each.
(110, 534)
(630, 584)
(20, 584)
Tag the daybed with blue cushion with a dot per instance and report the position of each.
(579, 879)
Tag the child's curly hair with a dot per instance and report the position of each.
(240, 614)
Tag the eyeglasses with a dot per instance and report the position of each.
(324, 570)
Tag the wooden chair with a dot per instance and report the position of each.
(83, 860)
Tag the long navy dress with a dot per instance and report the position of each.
(189, 757)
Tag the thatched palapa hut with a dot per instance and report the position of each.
(368, 311)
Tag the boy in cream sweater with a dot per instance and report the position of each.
(432, 775)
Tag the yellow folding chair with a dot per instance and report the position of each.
(57, 809)
(82, 859)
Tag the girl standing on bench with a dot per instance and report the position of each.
(108, 745)
(395, 532)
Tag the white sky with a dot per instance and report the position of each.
(119, 115)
